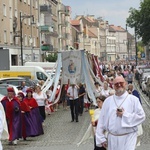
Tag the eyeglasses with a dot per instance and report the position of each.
(119, 84)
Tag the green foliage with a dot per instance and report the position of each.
(140, 20)
(51, 57)
(140, 46)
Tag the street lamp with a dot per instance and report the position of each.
(136, 51)
(21, 38)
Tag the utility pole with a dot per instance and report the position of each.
(135, 47)
(21, 40)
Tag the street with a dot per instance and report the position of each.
(61, 133)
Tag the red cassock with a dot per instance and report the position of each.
(25, 116)
(31, 102)
(35, 117)
(13, 116)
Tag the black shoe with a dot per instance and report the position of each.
(72, 120)
(77, 121)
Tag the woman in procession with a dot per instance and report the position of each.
(25, 116)
(37, 128)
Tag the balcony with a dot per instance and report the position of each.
(45, 9)
(67, 36)
(61, 8)
(67, 10)
(46, 28)
(54, 1)
(47, 47)
(61, 23)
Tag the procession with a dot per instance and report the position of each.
(117, 115)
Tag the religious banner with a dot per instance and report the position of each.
(71, 67)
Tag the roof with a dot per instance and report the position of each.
(75, 22)
(111, 29)
(91, 34)
(94, 31)
(74, 27)
(118, 28)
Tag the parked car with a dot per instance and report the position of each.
(142, 78)
(147, 83)
(17, 81)
(3, 90)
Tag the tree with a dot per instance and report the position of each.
(140, 20)
(140, 46)
(51, 57)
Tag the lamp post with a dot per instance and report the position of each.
(136, 51)
(21, 38)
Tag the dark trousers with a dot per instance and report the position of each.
(81, 105)
(42, 112)
(74, 109)
(97, 148)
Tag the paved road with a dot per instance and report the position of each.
(61, 134)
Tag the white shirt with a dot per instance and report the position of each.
(105, 93)
(40, 99)
(73, 92)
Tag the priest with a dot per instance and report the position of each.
(120, 115)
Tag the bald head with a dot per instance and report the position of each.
(119, 79)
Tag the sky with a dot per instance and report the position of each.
(113, 11)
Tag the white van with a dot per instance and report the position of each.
(31, 72)
(44, 65)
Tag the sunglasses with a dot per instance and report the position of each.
(119, 84)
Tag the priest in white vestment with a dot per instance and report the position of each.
(3, 126)
(120, 115)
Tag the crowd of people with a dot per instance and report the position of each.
(116, 122)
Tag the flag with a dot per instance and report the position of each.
(71, 67)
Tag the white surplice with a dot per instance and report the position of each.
(109, 121)
(1, 128)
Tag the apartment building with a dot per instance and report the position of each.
(131, 46)
(77, 34)
(63, 25)
(121, 42)
(110, 44)
(19, 16)
(48, 27)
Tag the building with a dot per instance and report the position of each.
(121, 42)
(18, 17)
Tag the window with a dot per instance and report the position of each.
(10, 12)
(25, 40)
(34, 42)
(16, 15)
(25, 20)
(41, 76)
(29, 21)
(11, 37)
(36, 4)
(28, 2)
(4, 10)
(5, 36)
(29, 43)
